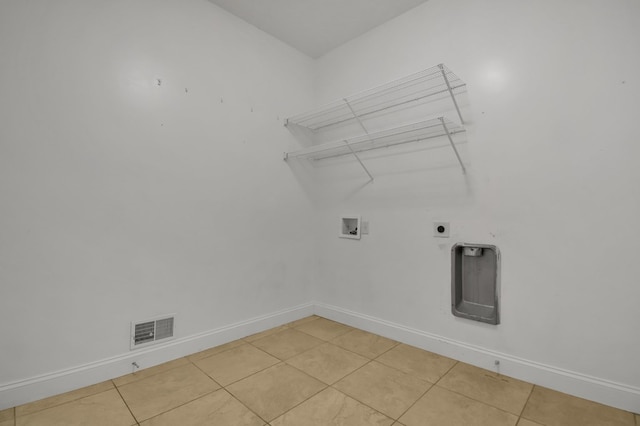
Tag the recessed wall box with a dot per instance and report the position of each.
(475, 282)
(350, 227)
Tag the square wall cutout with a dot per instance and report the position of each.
(350, 227)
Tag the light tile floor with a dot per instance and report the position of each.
(315, 372)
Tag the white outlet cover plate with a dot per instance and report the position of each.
(436, 229)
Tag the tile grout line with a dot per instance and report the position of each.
(213, 347)
(400, 371)
(282, 360)
(369, 360)
(482, 402)
(164, 412)
(415, 402)
(526, 403)
(302, 402)
(361, 402)
(185, 403)
(388, 350)
(326, 319)
(15, 412)
(330, 385)
(245, 405)
(284, 363)
(425, 392)
(150, 375)
(125, 403)
(205, 373)
(356, 399)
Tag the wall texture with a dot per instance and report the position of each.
(141, 174)
(552, 181)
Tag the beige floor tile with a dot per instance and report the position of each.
(324, 329)
(53, 401)
(328, 362)
(235, 364)
(288, 343)
(332, 408)
(525, 422)
(442, 407)
(7, 422)
(265, 333)
(383, 388)
(7, 414)
(217, 408)
(303, 320)
(215, 350)
(275, 390)
(364, 343)
(148, 372)
(162, 392)
(485, 386)
(553, 408)
(417, 362)
(102, 409)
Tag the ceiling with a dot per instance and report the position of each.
(315, 27)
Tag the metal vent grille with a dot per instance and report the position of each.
(143, 333)
(148, 332)
(164, 328)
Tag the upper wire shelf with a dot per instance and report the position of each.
(405, 92)
(416, 132)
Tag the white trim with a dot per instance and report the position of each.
(606, 392)
(45, 385)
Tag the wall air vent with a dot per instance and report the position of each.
(144, 333)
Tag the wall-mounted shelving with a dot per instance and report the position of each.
(415, 132)
(390, 102)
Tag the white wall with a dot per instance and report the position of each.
(122, 199)
(552, 181)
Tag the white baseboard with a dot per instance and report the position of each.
(606, 392)
(35, 388)
(603, 391)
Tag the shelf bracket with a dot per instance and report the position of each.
(446, 130)
(453, 98)
(365, 132)
(356, 116)
(359, 161)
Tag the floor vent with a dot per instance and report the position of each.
(148, 332)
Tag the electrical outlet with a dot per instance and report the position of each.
(441, 229)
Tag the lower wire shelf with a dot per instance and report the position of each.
(415, 132)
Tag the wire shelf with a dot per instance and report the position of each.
(405, 92)
(415, 132)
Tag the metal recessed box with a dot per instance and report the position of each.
(475, 282)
